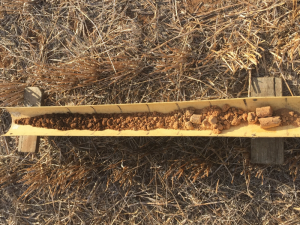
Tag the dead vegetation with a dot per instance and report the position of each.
(96, 52)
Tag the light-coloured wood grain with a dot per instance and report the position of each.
(267, 150)
(29, 143)
(32, 96)
(266, 87)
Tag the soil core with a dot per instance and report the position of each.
(210, 118)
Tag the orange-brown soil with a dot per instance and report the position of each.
(210, 118)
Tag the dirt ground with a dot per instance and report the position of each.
(93, 52)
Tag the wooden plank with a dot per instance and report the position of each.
(32, 97)
(28, 143)
(263, 87)
(267, 150)
(266, 86)
(278, 87)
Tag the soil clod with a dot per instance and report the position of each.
(264, 112)
(252, 118)
(270, 122)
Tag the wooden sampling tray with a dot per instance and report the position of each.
(247, 104)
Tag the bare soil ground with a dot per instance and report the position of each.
(97, 52)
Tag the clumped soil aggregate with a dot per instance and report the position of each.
(210, 118)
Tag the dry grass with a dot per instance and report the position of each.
(146, 180)
(96, 52)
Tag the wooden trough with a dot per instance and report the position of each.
(247, 104)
